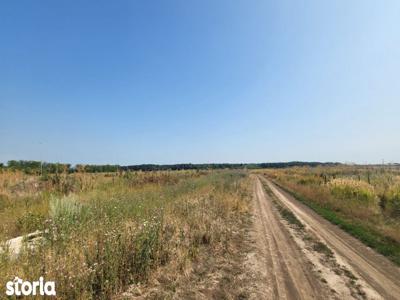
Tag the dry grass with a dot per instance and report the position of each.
(108, 232)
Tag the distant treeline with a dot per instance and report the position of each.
(37, 167)
(150, 167)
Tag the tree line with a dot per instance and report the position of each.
(38, 167)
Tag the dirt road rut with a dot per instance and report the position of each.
(374, 269)
(285, 271)
(289, 270)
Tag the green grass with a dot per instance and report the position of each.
(322, 248)
(290, 217)
(384, 245)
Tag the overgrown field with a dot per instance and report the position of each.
(103, 233)
(365, 201)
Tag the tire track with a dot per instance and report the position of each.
(289, 274)
(377, 271)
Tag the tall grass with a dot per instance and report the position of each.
(101, 240)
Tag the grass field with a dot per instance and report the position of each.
(105, 232)
(182, 234)
(364, 201)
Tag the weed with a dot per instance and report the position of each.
(116, 230)
(322, 248)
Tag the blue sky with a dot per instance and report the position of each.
(132, 82)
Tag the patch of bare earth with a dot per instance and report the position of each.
(284, 271)
(338, 278)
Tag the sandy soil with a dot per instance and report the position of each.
(283, 268)
(286, 258)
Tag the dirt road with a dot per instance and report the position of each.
(285, 272)
(293, 271)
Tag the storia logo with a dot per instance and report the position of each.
(20, 287)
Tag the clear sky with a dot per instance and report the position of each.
(132, 82)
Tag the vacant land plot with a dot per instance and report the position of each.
(204, 234)
(128, 234)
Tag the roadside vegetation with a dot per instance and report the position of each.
(364, 201)
(104, 233)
